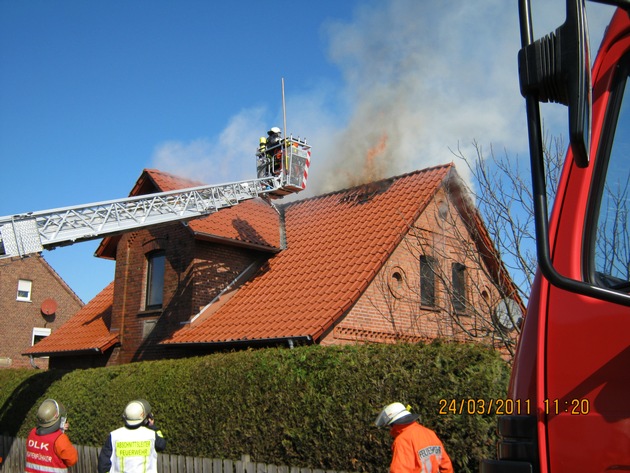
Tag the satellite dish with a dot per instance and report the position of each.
(508, 313)
(49, 306)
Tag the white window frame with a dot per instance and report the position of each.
(24, 285)
(40, 332)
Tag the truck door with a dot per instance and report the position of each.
(586, 364)
(573, 357)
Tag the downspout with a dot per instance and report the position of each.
(32, 362)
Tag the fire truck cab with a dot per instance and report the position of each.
(572, 367)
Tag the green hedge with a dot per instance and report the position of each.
(307, 407)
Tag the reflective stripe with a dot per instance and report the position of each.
(50, 469)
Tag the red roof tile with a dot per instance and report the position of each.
(253, 221)
(336, 243)
(87, 330)
(164, 181)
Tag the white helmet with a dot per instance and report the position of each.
(395, 413)
(274, 130)
(136, 412)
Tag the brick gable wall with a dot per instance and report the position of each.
(196, 272)
(390, 309)
(18, 318)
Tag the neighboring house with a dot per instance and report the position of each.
(405, 258)
(34, 302)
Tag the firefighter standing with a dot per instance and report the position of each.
(48, 448)
(263, 161)
(133, 448)
(274, 150)
(415, 448)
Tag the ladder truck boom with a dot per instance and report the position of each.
(32, 232)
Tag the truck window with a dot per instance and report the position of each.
(611, 248)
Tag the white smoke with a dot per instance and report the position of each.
(229, 157)
(430, 76)
(424, 77)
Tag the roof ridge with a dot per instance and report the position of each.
(150, 171)
(371, 184)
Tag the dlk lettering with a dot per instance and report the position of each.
(39, 446)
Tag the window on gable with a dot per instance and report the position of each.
(39, 334)
(427, 281)
(156, 263)
(458, 297)
(24, 290)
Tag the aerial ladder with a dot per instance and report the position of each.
(282, 170)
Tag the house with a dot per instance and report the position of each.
(34, 302)
(405, 258)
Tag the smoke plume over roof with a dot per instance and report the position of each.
(419, 79)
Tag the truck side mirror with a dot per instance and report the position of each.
(580, 87)
(556, 68)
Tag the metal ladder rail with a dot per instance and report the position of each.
(32, 232)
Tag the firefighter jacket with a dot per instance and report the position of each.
(131, 450)
(49, 453)
(417, 449)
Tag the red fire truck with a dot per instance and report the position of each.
(571, 374)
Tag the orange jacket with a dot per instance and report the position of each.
(66, 451)
(417, 449)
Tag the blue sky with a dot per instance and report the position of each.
(91, 93)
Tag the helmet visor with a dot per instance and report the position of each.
(393, 413)
(383, 419)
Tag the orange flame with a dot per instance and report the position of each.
(365, 169)
(373, 169)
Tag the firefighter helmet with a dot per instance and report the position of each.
(50, 413)
(274, 131)
(136, 412)
(395, 413)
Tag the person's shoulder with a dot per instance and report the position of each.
(64, 439)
